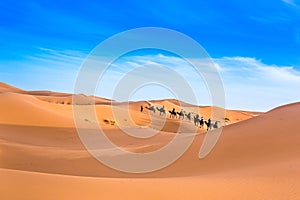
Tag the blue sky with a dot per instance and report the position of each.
(256, 44)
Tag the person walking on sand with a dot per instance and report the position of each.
(142, 108)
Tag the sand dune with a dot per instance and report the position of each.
(257, 157)
(22, 109)
(49, 186)
(8, 88)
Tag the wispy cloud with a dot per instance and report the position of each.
(47, 69)
(256, 68)
(292, 3)
(252, 84)
(249, 83)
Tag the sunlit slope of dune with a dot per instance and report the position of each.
(257, 156)
(36, 134)
(238, 186)
(8, 88)
(21, 109)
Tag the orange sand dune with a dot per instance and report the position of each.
(48, 187)
(255, 158)
(241, 146)
(22, 109)
(8, 88)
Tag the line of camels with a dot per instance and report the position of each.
(198, 121)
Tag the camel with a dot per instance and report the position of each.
(151, 108)
(216, 125)
(196, 119)
(161, 110)
(188, 116)
(173, 113)
(180, 114)
(212, 125)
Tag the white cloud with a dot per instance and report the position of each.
(257, 69)
(249, 83)
(175, 67)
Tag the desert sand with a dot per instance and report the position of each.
(42, 157)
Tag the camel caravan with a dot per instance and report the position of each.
(198, 121)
